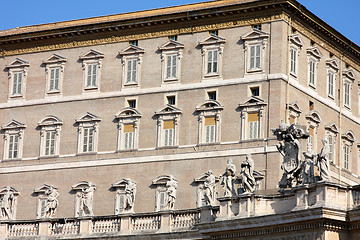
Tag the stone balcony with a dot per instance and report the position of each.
(328, 207)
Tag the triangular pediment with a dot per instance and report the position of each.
(314, 51)
(13, 124)
(203, 177)
(44, 188)
(253, 101)
(163, 179)
(8, 189)
(333, 63)
(83, 185)
(88, 117)
(122, 183)
(349, 136)
(349, 74)
(131, 50)
(212, 39)
(92, 54)
(18, 62)
(332, 127)
(209, 105)
(313, 116)
(128, 112)
(55, 58)
(168, 109)
(170, 45)
(296, 39)
(255, 34)
(50, 120)
(294, 106)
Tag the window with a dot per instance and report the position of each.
(171, 66)
(128, 128)
(13, 139)
(209, 121)
(83, 190)
(169, 131)
(296, 44)
(331, 84)
(91, 69)
(294, 112)
(214, 32)
(210, 124)
(131, 74)
(332, 68)
(17, 70)
(313, 121)
(50, 143)
(129, 136)
(134, 42)
(311, 136)
(166, 187)
(54, 67)
(331, 140)
(87, 133)
(255, 91)
(255, 57)
(346, 152)
(173, 37)
(17, 83)
(167, 126)
(50, 127)
(46, 201)
(348, 80)
(125, 196)
(293, 60)
(212, 49)
(312, 72)
(314, 56)
(54, 79)
(253, 123)
(170, 100)
(331, 132)
(212, 62)
(211, 95)
(132, 103)
(171, 54)
(348, 138)
(347, 94)
(131, 58)
(256, 26)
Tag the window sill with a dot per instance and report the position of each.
(17, 96)
(167, 147)
(48, 156)
(208, 144)
(347, 107)
(86, 153)
(294, 75)
(251, 140)
(53, 92)
(331, 97)
(11, 159)
(211, 75)
(127, 150)
(312, 86)
(91, 88)
(131, 84)
(255, 70)
(171, 80)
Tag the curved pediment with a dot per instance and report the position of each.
(349, 74)
(296, 39)
(333, 63)
(131, 50)
(209, 105)
(332, 127)
(128, 112)
(171, 45)
(83, 185)
(44, 188)
(253, 101)
(13, 124)
(18, 62)
(294, 106)
(314, 51)
(92, 54)
(163, 179)
(349, 136)
(122, 183)
(168, 109)
(255, 34)
(212, 40)
(88, 117)
(55, 58)
(313, 116)
(50, 120)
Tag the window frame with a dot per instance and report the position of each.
(49, 124)
(92, 58)
(13, 129)
(54, 62)
(18, 66)
(174, 49)
(348, 139)
(166, 114)
(313, 120)
(120, 192)
(161, 187)
(127, 116)
(131, 54)
(314, 56)
(331, 131)
(90, 122)
(296, 44)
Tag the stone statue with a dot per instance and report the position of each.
(86, 201)
(52, 202)
(290, 150)
(171, 187)
(308, 165)
(323, 161)
(7, 205)
(247, 175)
(227, 178)
(130, 193)
(209, 188)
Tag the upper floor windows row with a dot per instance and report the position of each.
(171, 54)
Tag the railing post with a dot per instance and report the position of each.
(44, 227)
(125, 224)
(206, 214)
(85, 226)
(302, 198)
(4, 229)
(165, 221)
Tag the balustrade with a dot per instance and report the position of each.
(23, 229)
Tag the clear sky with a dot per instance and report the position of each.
(343, 15)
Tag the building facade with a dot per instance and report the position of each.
(97, 111)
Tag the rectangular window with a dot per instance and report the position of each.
(121, 200)
(312, 72)
(129, 136)
(331, 84)
(173, 37)
(43, 203)
(171, 100)
(293, 60)
(347, 94)
(88, 145)
(332, 148)
(311, 136)
(255, 57)
(50, 143)
(210, 124)
(17, 83)
(257, 27)
(212, 95)
(134, 42)
(214, 32)
(131, 74)
(253, 123)
(91, 75)
(171, 66)
(132, 103)
(13, 146)
(292, 119)
(162, 200)
(346, 150)
(169, 132)
(54, 79)
(212, 61)
(255, 91)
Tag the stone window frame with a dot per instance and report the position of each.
(77, 189)
(294, 112)
(50, 123)
(332, 66)
(17, 66)
(331, 131)
(92, 57)
(132, 52)
(209, 108)
(212, 42)
(252, 105)
(199, 181)
(88, 120)
(314, 55)
(348, 78)
(14, 194)
(167, 113)
(56, 61)
(13, 128)
(253, 38)
(42, 197)
(313, 120)
(296, 44)
(120, 187)
(347, 141)
(171, 48)
(160, 188)
(126, 116)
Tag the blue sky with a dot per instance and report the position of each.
(342, 15)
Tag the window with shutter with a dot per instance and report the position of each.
(54, 79)
(171, 67)
(50, 143)
(17, 83)
(312, 72)
(88, 140)
(91, 75)
(346, 152)
(131, 74)
(253, 125)
(347, 94)
(331, 84)
(212, 61)
(332, 148)
(162, 200)
(169, 130)
(255, 57)
(13, 146)
(210, 124)
(128, 136)
(293, 60)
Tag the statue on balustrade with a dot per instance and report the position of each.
(52, 202)
(227, 179)
(86, 201)
(323, 161)
(289, 147)
(308, 165)
(209, 188)
(7, 204)
(247, 175)
(130, 193)
(171, 187)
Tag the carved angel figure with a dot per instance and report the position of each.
(247, 174)
(227, 178)
(130, 193)
(7, 205)
(52, 202)
(209, 188)
(171, 186)
(86, 201)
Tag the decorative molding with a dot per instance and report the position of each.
(55, 58)
(333, 63)
(297, 40)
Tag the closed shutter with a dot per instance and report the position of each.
(253, 124)
(169, 130)
(129, 136)
(210, 134)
